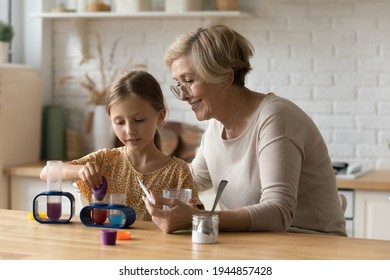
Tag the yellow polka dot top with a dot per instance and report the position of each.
(121, 176)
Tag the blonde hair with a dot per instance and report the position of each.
(137, 83)
(215, 52)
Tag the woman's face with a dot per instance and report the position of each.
(204, 99)
(135, 121)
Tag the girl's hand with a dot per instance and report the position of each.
(90, 174)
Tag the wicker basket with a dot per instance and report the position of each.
(226, 5)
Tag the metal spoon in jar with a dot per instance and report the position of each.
(204, 227)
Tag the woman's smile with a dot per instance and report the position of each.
(194, 105)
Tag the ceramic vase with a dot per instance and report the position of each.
(131, 6)
(4, 47)
(180, 6)
(103, 135)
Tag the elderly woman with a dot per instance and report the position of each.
(280, 176)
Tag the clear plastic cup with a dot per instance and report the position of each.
(183, 195)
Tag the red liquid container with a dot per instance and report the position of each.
(99, 216)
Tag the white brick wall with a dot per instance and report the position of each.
(330, 57)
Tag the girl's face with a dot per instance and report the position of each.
(205, 99)
(135, 121)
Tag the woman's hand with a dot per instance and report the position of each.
(178, 215)
(90, 174)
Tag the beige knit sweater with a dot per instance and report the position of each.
(279, 169)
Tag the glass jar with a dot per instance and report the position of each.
(61, 6)
(132, 6)
(205, 228)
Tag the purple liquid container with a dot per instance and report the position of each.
(54, 197)
(54, 210)
(100, 192)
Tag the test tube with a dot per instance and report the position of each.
(54, 184)
(116, 217)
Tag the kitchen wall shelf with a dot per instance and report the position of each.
(146, 14)
(80, 19)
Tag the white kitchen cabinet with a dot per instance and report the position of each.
(372, 211)
(21, 91)
(24, 189)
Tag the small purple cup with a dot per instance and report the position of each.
(108, 236)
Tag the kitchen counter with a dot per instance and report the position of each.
(26, 170)
(24, 184)
(24, 239)
(376, 180)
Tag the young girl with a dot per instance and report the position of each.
(135, 105)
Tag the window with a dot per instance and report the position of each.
(8, 14)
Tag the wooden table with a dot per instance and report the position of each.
(23, 239)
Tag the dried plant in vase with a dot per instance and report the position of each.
(97, 94)
(97, 91)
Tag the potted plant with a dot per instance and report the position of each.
(6, 35)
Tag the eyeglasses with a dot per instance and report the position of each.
(182, 90)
